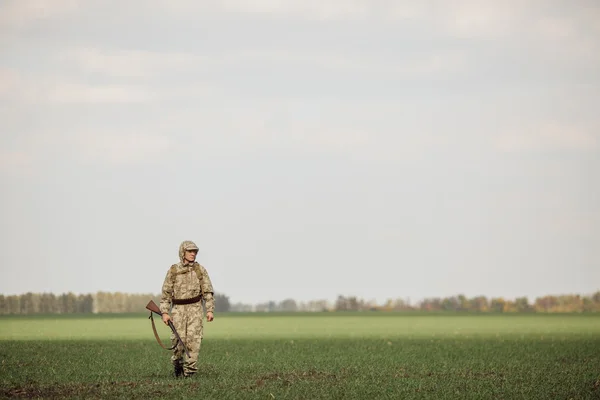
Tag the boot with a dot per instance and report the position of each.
(178, 370)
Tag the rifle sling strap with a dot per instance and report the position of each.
(157, 338)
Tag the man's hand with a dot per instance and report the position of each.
(209, 316)
(166, 318)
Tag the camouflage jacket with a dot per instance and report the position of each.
(184, 281)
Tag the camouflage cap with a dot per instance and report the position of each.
(189, 245)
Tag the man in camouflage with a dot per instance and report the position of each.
(185, 287)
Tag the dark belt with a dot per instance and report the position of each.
(191, 300)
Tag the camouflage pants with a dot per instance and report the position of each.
(188, 320)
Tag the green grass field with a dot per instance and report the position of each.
(308, 356)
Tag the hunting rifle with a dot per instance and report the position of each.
(154, 309)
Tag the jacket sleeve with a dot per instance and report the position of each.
(167, 292)
(207, 291)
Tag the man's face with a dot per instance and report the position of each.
(190, 255)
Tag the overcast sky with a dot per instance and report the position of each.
(380, 149)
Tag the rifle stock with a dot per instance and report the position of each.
(155, 309)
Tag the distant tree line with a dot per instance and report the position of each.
(111, 302)
(545, 304)
(100, 302)
(559, 303)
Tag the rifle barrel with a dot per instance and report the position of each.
(178, 338)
